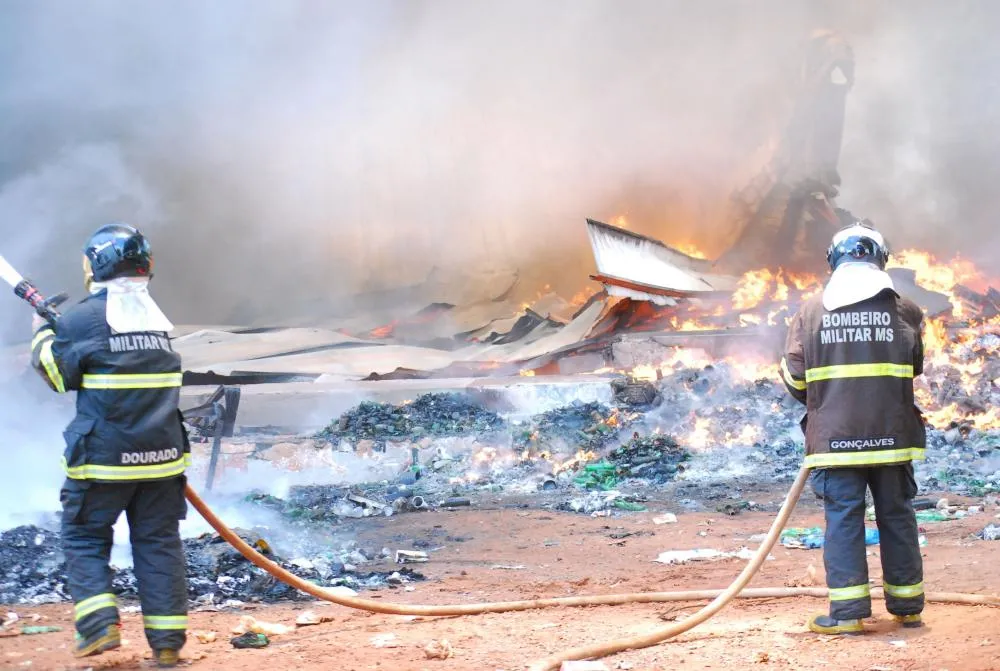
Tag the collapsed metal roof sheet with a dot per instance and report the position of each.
(636, 266)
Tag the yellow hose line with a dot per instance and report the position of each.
(718, 603)
(720, 597)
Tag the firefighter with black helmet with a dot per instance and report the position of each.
(126, 448)
(851, 355)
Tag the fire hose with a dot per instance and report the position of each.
(720, 598)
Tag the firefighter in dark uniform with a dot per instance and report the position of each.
(126, 449)
(851, 355)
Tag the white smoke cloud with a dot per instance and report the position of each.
(298, 153)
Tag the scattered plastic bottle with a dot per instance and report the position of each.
(812, 539)
(29, 631)
(250, 640)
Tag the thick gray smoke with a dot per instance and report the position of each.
(286, 155)
(31, 423)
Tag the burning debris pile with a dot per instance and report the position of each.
(430, 415)
(587, 427)
(594, 446)
(727, 418)
(35, 570)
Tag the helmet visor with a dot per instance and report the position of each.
(859, 248)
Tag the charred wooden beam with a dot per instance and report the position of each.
(986, 306)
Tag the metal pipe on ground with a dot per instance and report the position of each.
(456, 502)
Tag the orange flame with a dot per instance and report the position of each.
(690, 249)
(383, 331)
(758, 287)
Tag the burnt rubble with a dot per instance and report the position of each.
(34, 566)
(309, 503)
(656, 458)
(35, 570)
(430, 415)
(639, 394)
(961, 462)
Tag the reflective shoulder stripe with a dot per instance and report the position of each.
(93, 604)
(870, 458)
(153, 472)
(903, 591)
(789, 378)
(859, 370)
(165, 621)
(132, 380)
(51, 368)
(848, 593)
(41, 336)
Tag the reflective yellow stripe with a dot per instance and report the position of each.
(859, 370)
(132, 381)
(165, 621)
(789, 379)
(51, 369)
(903, 591)
(93, 604)
(40, 336)
(848, 593)
(870, 458)
(100, 472)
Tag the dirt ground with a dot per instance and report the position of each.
(500, 550)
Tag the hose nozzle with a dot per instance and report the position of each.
(45, 307)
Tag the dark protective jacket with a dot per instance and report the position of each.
(853, 368)
(127, 425)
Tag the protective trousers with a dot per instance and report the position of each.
(843, 493)
(153, 510)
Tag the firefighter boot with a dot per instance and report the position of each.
(106, 638)
(909, 621)
(824, 624)
(167, 658)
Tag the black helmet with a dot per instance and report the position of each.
(859, 241)
(118, 250)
